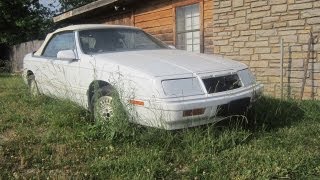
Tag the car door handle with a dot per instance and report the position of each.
(74, 60)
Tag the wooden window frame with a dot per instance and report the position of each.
(176, 5)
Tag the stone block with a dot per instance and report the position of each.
(275, 50)
(270, 56)
(297, 63)
(277, 2)
(280, 24)
(237, 3)
(271, 32)
(290, 38)
(226, 49)
(255, 15)
(270, 19)
(267, 26)
(279, 8)
(220, 42)
(257, 44)
(240, 39)
(241, 27)
(262, 8)
(297, 55)
(241, 13)
(255, 22)
(246, 51)
(235, 33)
(225, 4)
(238, 44)
(315, 20)
(261, 64)
(223, 10)
(303, 38)
(300, 22)
(300, 6)
(274, 40)
(249, 32)
(272, 72)
(259, 3)
(297, 74)
(289, 17)
(256, 27)
(262, 50)
(252, 38)
(285, 32)
(310, 13)
(235, 21)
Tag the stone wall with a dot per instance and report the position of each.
(250, 31)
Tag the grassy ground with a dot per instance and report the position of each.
(41, 137)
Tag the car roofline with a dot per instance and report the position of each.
(92, 26)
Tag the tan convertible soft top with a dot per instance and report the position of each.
(75, 28)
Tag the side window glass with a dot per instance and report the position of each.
(63, 41)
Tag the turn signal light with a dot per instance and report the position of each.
(136, 102)
(193, 112)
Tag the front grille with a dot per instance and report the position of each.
(222, 83)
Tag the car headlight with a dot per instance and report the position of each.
(247, 77)
(182, 87)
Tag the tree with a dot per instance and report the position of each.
(23, 20)
(69, 4)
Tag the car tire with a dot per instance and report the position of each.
(102, 104)
(33, 86)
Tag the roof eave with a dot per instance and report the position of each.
(82, 9)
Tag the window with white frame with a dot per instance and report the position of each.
(188, 28)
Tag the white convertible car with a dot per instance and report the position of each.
(159, 86)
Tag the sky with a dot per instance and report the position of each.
(54, 2)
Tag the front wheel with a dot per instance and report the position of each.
(103, 108)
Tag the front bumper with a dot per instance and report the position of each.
(168, 113)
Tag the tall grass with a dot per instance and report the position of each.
(44, 137)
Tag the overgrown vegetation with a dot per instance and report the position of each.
(23, 20)
(41, 137)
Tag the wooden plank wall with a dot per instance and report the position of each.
(19, 51)
(123, 19)
(157, 17)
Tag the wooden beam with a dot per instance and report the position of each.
(83, 9)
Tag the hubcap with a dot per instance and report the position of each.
(103, 108)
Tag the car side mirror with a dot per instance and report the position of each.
(66, 55)
(172, 47)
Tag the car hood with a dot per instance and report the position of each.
(169, 62)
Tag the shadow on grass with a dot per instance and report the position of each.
(271, 114)
(266, 114)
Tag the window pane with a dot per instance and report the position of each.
(188, 18)
(188, 28)
(181, 42)
(117, 39)
(63, 41)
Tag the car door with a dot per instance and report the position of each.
(60, 73)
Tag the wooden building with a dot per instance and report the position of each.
(249, 31)
(187, 24)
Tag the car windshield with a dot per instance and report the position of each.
(117, 39)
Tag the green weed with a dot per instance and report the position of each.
(44, 137)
